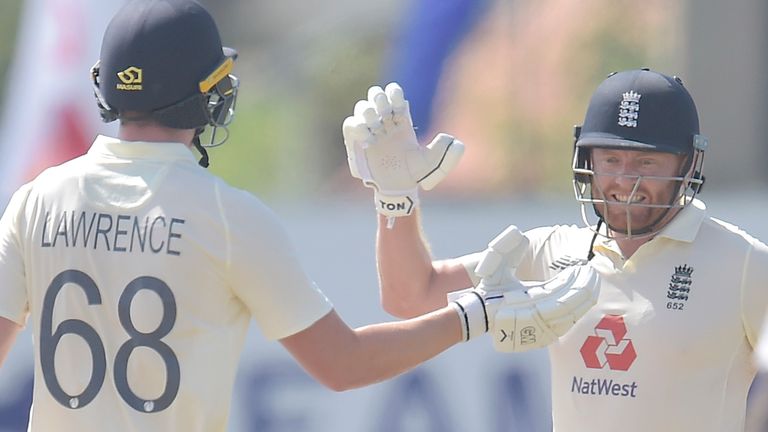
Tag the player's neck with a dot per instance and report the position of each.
(630, 246)
(154, 133)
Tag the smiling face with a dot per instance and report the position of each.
(634, 190)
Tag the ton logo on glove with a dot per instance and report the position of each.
(383, 152)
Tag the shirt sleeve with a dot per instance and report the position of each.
(266, 274)
(531, 264)
(13, 293)
(755, 291)
(525, 270)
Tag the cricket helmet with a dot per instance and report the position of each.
(164, 59)
(640, 110)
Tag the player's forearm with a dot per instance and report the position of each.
(342, 358)
(404, 265)
(411, 283)
(8, 332)
(385, 350)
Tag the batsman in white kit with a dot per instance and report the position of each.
(670, 342)
(139, 271)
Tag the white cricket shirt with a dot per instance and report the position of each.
(761, 354)
(140, 272)
(669, 345)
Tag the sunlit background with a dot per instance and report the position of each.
(508, 78)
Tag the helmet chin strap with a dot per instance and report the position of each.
(196, 142)
(591, 253)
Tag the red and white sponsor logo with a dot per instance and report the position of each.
(609, 345)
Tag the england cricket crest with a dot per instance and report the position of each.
(629, 109)
(680, 283)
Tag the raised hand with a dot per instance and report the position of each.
(382, 151)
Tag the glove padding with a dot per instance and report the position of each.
(382, 151)
(522, 315)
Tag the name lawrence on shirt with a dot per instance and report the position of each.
(112, 232)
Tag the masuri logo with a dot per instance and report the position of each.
(131, 79)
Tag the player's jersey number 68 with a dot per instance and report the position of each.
(49, 339)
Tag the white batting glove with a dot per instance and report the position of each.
(523, 315)
(383, 152)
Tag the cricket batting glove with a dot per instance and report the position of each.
(383, 152)
(522, 315)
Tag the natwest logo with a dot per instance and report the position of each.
(609, 346)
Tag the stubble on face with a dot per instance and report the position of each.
(624, 183)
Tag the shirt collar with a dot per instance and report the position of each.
(685, 225)
(117, 148)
